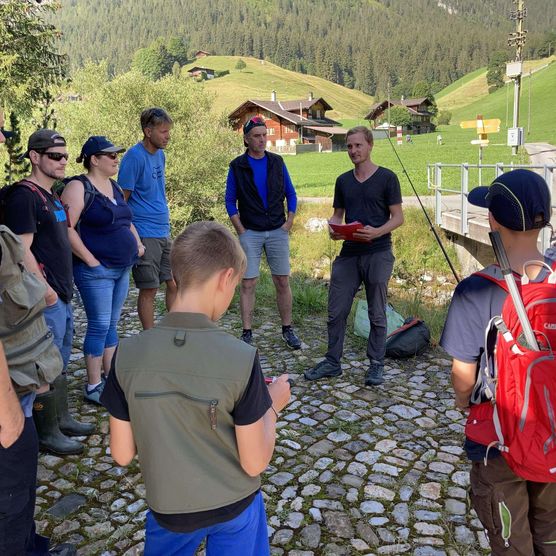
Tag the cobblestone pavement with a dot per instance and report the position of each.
(356, 470)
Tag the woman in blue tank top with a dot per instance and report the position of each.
(105, 245)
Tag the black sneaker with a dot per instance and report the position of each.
(247, 337)
(323, 369)
(374, 374)
(291, 339)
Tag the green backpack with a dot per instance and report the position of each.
(33, 359)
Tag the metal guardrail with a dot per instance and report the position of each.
(435, 174)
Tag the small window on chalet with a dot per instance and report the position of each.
(270, 131)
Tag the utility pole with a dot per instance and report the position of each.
(514, 70)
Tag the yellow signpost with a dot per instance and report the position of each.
(483, 127)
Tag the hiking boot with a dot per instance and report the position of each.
(291, 339)
(323, 369)
(374, 374)
(51, 438)
(93, 396)
(68, 425)
(247, 337)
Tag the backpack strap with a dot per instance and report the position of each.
(35, 189)
(89, 191)
(494, 274)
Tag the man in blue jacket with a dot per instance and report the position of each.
(257, 185)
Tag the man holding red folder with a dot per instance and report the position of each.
(371, 195)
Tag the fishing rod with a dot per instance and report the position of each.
(431, 226)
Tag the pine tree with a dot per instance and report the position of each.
(16, 167)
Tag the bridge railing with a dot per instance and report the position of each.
(443, 179)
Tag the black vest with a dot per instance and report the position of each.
(252, 212)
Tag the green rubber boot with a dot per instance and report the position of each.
(68, 425)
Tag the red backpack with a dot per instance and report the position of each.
(520, 418)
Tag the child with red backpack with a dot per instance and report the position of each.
(507, 383)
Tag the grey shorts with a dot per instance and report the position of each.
(153, 267)
(275, 244)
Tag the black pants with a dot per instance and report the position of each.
(374, 271)
(18, 483)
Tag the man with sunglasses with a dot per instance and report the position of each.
(35, 213)
(18, 437)
(258, 183)
(142, 177)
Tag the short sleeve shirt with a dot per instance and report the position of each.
(254, 403)
(27, 213)
(143, 173)
(369, 203)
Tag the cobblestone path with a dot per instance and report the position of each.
(356, 470)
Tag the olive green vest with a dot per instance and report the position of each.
(181, 381)
(33, 359)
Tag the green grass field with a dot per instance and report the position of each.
(458, 84)
(260, 78)
(314, 174)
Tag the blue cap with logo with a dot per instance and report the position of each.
(518, 200)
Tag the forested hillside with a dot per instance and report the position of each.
(363, 44)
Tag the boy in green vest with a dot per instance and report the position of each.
(191, 401)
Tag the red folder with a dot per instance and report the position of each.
(347, 230)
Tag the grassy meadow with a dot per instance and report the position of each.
(260, 78)
(539, 122)
(314, 174)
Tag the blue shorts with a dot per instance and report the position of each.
(245, 535)
(275, 244)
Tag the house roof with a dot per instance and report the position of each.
(305, 104)
(286, 110)
(410, 103)
(200, 68)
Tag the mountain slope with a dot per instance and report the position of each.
(539, 122)
(260, 78)
(361, 44)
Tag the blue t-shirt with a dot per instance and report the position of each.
(143, 173)
(260, 171)
(476, 300)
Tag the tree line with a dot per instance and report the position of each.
(373, 46)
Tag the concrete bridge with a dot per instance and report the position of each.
(467, 225)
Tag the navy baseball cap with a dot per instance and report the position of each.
(251, 123)
(518, 200)
(7, 134)
(97, 144)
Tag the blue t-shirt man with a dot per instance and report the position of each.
(142, 176)
(143, 173)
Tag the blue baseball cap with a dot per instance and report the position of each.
(518, 200)
(98, 144)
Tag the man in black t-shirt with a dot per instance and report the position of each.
(371, 195)
(34, 212)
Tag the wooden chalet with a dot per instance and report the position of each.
(418, 109)
(198, 71)
(292, 123)
(201, 54)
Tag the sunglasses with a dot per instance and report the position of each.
(56, 156)
(113, 156)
